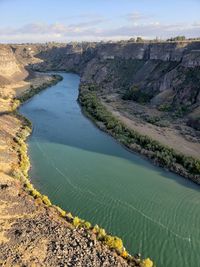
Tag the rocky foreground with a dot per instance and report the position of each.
(32, 233)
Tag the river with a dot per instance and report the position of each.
(88, 173)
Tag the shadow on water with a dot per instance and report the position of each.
(139, 160)
(62, 122)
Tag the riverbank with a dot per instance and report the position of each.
(26, 207)
(160, 154)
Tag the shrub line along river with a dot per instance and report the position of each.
(88, 173)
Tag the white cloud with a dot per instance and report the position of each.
(91, 30)
(135, 16)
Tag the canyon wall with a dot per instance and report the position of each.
(167, 72)
(10, 68)
(164, 74)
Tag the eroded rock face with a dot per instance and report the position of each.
(165, 73)
(8, 64)
(10, 69)
(153, 67)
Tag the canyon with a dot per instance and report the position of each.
(152, 88)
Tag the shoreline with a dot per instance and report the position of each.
(122, 136)
(112, 242)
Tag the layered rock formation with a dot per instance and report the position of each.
(168, 73)
(160, 76)
(10, 69)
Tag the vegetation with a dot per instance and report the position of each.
(135, 94)
(21, 172)
(183, 101)
(194, 122)
(165, 107)
(125, 69)
(139, 40)
(162, 155)
(33, 90)
(156, 120)
(147, 263)
(177, 39)
(62, 212)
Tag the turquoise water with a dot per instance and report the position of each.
(88, 173)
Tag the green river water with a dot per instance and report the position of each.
(86, 172)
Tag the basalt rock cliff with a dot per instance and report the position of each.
(165, 75)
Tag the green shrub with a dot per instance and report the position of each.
(32, 91)
(164, 155)
(165, 107)
(135, 94)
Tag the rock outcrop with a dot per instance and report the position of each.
(10, 69)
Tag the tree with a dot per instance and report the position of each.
(139, 40)
(177, 38)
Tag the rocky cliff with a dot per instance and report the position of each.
(164, 73)
(10, 68)
(161, 75)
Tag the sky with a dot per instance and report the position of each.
(96, 20)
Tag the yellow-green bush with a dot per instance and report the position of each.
(147, 263)
(76, 221)
(100, 232)
(28, 186)
(114, 242)
(124, 254)
(46, 200)
(87, 225)
(35, 193)
(61, 211)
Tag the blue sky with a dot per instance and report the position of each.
(63, 20)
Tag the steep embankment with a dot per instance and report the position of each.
(10, 69)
